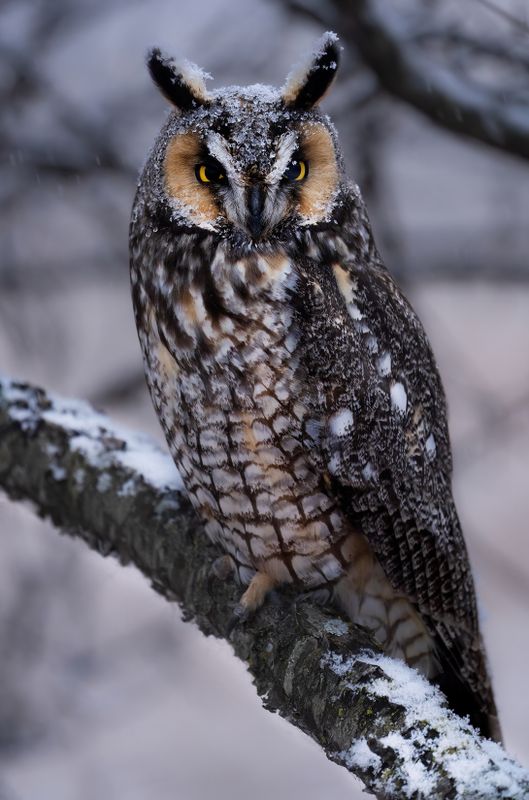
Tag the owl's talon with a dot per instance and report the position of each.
(240, 614)
(253, 598)
(322, 596)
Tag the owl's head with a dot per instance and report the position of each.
(252, 163)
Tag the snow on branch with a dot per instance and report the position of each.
(122, 495)
(453, 100)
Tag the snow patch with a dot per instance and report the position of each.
(339, 665)
(336, 626)
(479, 768)
(59, 473)
(417, 781)
(361, 756)
(100, 441)
(128, 489)
(104, 482)
(156, 467)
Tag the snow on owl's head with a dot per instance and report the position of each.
(247, 163)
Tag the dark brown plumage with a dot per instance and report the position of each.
(295, 384)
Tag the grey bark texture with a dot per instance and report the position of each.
(369, 713)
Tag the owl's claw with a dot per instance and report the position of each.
(239, 615)
(322, 596)
(252, 599)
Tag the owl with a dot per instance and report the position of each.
(295, 384)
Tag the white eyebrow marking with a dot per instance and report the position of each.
(219, 149)
(287, 144)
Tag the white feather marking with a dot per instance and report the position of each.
(384, 365)
(334, 464)
(430, 446)
(372, 344)
(369, 472)
(399, 398)
(341, 422)
(348, 287)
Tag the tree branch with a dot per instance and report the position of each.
(451, 100)
(371, 714)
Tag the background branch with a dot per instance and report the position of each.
(122, 495)
(449, 97)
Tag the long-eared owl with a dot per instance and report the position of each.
(294, 383)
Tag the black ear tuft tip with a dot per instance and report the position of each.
(156, 63)
(154, 60)
(305, 88)
(154, 54)
(162, 72)
(329, 56)
(182, 86)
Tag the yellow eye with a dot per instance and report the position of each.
(210, 173)
(297, 170)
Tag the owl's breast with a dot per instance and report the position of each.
(239, 417)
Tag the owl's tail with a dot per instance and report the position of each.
(464, 678)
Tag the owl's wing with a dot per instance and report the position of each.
(385, 449)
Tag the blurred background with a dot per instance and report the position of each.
(83, 641)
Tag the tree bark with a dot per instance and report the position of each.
(122, 495)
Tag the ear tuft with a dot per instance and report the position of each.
(183, 85)
(306, 85)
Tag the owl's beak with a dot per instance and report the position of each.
(255, 203)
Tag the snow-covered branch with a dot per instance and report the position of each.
(452, 99)
(122, 495)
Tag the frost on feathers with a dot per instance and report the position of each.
(194, 76)
(297, 75)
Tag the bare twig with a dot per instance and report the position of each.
(369, 713)
(484, 47)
